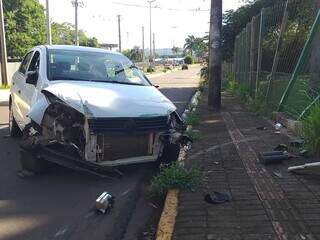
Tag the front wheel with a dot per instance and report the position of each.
(13, 126)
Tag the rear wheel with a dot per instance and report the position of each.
(13, 126)
(170, 153)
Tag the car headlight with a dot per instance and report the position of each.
(174, 121)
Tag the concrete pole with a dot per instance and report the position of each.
(49, 40)
(3, 49)
(150, 18)
(119, 32)
(76, 5)
(215, 66)
(153, 46)
(142, 43)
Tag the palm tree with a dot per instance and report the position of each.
(175, 50)
(189, 45)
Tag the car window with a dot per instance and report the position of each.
(35, 62)
(25, 63)
(93, 66)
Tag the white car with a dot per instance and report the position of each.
(90, 106)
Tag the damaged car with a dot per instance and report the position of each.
(90, 108)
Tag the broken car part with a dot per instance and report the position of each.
(273, 157)
(309, 168)
(104, 202)
(218, 197)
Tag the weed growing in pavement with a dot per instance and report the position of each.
(175, 176)
(192, 118)
(231, 85)
(311, 129)
(202, 85)
(195, 135)
(243, 92)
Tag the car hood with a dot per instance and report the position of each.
(97, 99)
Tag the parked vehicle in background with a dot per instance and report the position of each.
(93, 106)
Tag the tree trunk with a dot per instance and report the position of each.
(215, 66)
(315, 59)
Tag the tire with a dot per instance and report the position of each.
(170, 153)
(31, 162)
(13, 126)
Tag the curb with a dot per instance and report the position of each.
(170, 210)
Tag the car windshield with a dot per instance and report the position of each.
(93, 66)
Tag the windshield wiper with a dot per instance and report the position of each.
(69, 78)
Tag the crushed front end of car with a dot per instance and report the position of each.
(72, 135)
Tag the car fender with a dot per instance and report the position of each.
(38, 109)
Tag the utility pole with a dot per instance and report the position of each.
(76, 5)
(119, 31)
(49, 41)
(150, 2)
(3, 50)
(142, 43)
(215, 66)
(153, 46)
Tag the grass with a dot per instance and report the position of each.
(4, 87)
(192, 118)
(311, 129)
(175, 176)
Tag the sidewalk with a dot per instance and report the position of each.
(264, 206)
(4, 97)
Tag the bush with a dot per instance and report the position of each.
(195, 135)
(175, 176)
(204, 73)
(150, 69)
(243, 92)
(188, 60)
(311, 130)
(192, 118)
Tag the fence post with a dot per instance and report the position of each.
(314, 30)
(248, 48)
(259, 50)
(252, 55)
(277, 53)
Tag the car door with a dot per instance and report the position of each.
(29, 90)
(18, 84)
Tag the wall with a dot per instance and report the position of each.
(12, 68)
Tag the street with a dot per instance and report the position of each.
(59, 204)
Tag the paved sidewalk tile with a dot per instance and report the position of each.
(264, 206)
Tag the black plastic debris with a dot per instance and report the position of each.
(105, 202)
(262, 128)
(303, 153)
(281, 147)
(273, 157)
(218, 197)
(297, 143)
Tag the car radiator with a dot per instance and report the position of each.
(114, 147)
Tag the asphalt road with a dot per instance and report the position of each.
(59, 204)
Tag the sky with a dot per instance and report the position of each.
(172, 20)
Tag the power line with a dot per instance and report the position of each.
(161, 8)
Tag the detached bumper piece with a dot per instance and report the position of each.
(75, 163)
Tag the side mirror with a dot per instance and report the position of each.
(156, 86)
(32, 77)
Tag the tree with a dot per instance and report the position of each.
(175, 50)
(235, 20)
(63, 33)
(189, 45)
(134, 54)
(25, 26)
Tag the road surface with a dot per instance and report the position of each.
(59, 204)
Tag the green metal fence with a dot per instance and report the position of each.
(277, 56)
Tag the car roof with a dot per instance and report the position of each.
(78, 48)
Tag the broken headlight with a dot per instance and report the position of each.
(175, 122)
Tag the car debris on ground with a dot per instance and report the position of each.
(218, 197)
(105, 202)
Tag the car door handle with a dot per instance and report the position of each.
(19, 91)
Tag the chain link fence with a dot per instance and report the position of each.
(277, 57)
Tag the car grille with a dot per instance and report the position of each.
(119, 147)
(127, 125)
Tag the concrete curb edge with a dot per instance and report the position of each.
(170, 210)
